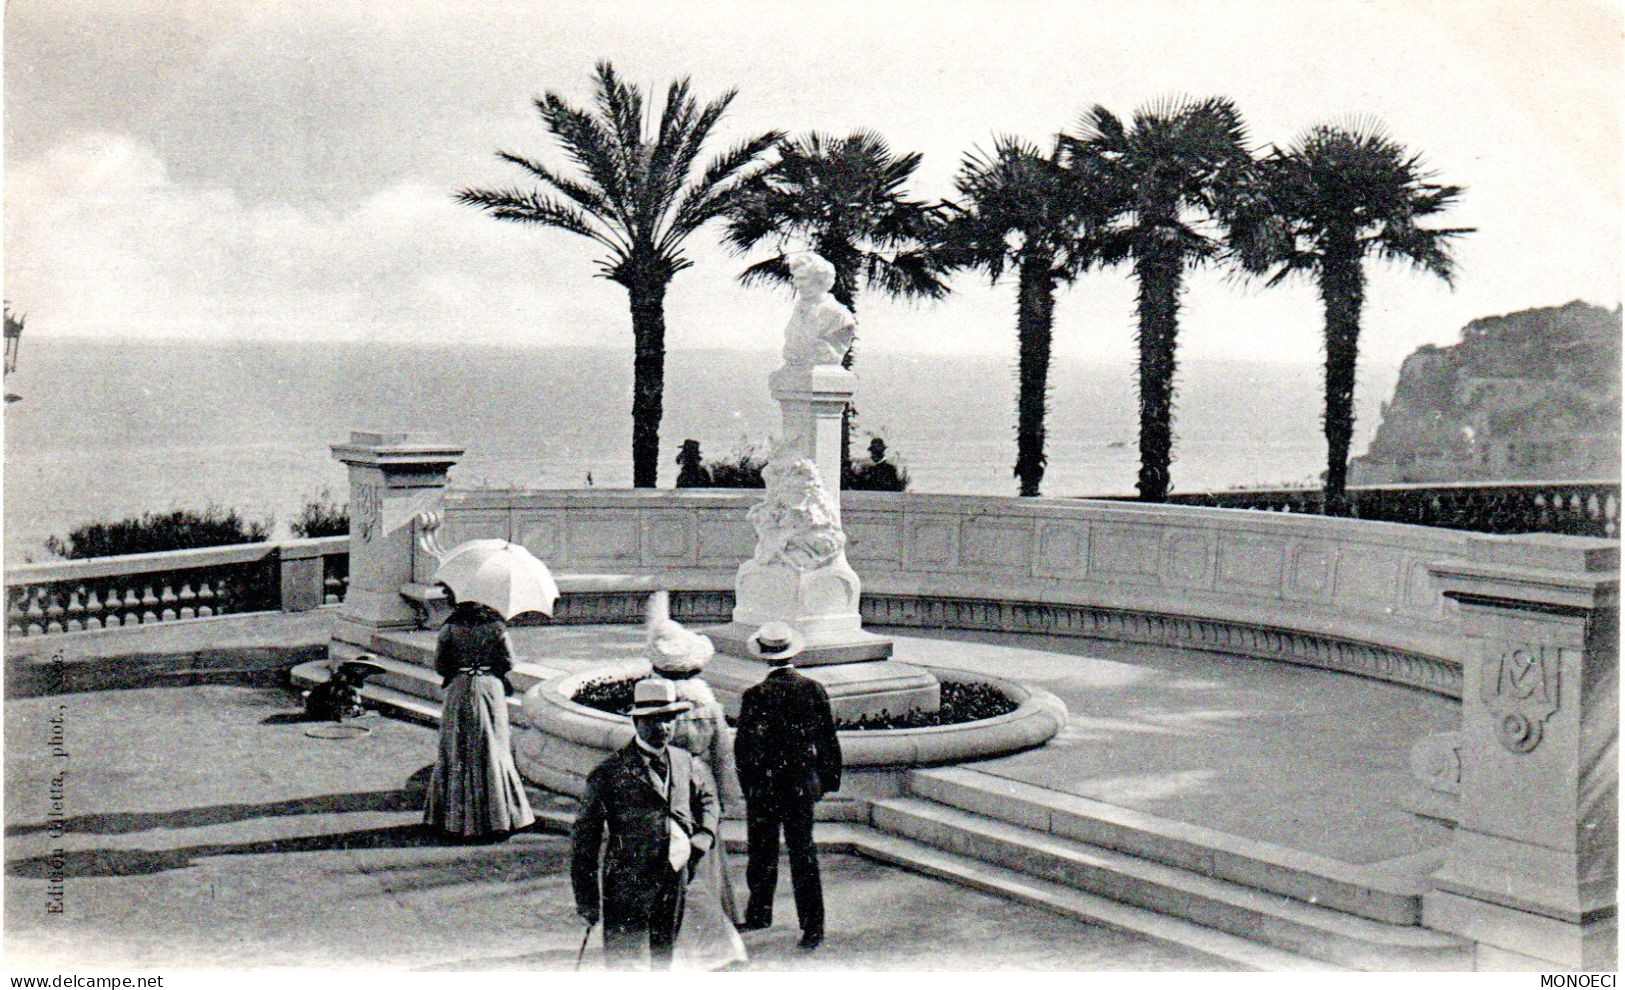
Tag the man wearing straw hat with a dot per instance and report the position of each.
(661, 816)
(789, 756)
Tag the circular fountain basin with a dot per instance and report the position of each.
(564, 740)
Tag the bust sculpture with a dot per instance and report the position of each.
(796, 523)
(820, 329)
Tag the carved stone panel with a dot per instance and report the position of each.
(463, 525)
(540, 535)
(670, 538)
(996, 545)
(1063, 549)
(1187, 558)
(607, 538)
(1368, 575)
(1310, 573)
(1251, 562)
(1131, 551)
(1519, 685)
(367, 510)
(874, 539)
(932, 542)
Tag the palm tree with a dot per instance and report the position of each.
(1338, 196)
(638, 196)
(842, 198)
(1168, 176)
(1023, 209)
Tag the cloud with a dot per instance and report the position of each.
(100, 239)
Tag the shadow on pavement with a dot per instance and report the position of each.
(408, 798)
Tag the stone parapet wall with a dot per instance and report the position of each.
(1337, 593)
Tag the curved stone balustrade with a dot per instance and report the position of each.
(1344, 594)
(1577, 508)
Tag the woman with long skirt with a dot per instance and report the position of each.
(708, 939)
(475, 792)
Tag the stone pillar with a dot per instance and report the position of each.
(393, 476)
(1532, 870)
(812, 400)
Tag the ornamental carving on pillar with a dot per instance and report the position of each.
(369, 508)
(796, 522)
(1520, 688)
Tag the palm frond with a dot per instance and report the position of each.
(528, 207)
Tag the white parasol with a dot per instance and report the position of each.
(500, 574)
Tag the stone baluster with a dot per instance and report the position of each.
(93, 609)
(1532, 870)
(54, 612)
(16, 614)
(76, 610)
(205, 600)
(167, 600)
(187, 599)
(149, 606)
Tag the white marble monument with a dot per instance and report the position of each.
(798, 573)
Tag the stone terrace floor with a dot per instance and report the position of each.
(204, 829)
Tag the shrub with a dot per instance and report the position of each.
(607, 694)
(322, 516)
(961, 702)
(182, 529)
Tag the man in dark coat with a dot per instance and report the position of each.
(789, 757)
(661, 814)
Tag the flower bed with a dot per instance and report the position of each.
(962, 701)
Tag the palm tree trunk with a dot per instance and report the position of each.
(1342, 292)
(1035, 318)
(1159, 277)
(648, 379)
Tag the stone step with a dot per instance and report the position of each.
(525, 674)
(1389, 895)
(405, 690)
(1281, 922)
(1069, 902)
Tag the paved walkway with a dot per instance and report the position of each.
(1294, 756)
(201, 828)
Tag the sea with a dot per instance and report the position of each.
(110, 428)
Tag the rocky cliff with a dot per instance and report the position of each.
(1532, 395)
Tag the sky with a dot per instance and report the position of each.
(233, 169)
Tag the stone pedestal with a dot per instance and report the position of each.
(812, 400)
(1532, 871)
(821, 603)
(393, 477)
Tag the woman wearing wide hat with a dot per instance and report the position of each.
(475, 792)
(708, 939)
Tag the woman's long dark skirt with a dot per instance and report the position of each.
(475, 789)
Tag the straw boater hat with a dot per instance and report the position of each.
(656, 696)
(673, 649)
(776, 641)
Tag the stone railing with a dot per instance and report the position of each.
(1576, 508)
(1336, 593)
(147, 588)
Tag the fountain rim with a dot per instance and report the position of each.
(1038, 717)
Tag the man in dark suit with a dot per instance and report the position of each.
(661, 815)
(789, 757)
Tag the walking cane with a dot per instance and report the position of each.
(582, 952)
